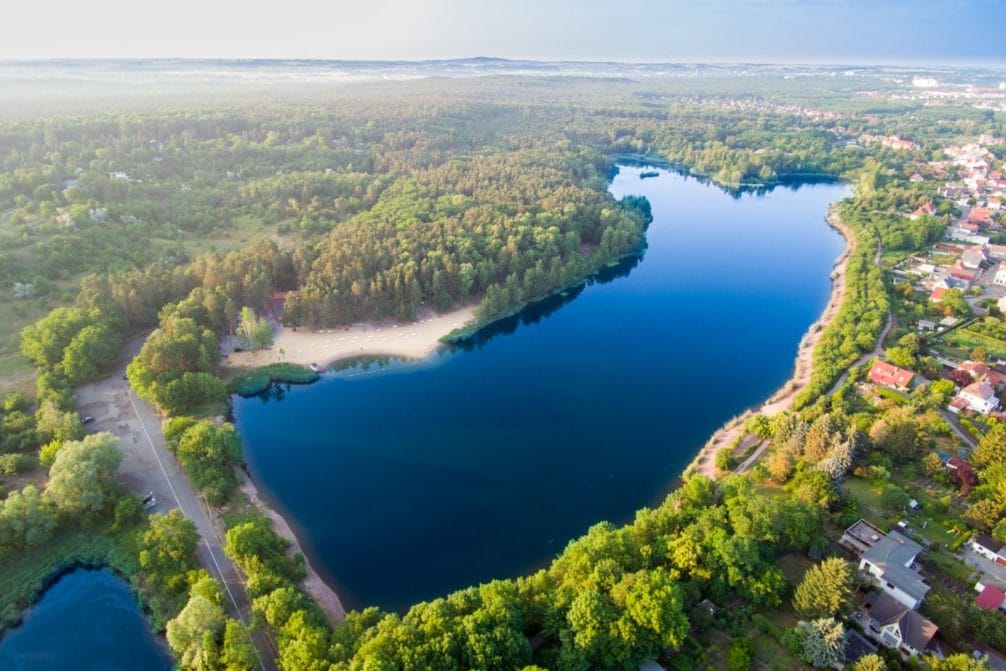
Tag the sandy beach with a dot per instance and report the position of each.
(419, 339)
(705, 461)
(411, 340)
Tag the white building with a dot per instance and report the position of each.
(1000, 278)
(898, 627)
(990, 548)
(977, 397)
(889, 562)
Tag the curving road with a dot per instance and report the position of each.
(148, 466)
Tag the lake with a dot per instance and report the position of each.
(407, 481)
(88, 620)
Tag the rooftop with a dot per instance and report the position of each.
(893, 554)
(915, 630)
(990, 598)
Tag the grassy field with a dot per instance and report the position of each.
(962, 341)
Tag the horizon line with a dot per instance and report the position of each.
(975, 63)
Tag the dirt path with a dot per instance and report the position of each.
(148, 466)
(705, 462)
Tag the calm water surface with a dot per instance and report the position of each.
(408, 481)
(88, 620)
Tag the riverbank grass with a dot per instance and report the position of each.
(257, 380)
(26, 575)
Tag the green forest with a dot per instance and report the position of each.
(171, 224)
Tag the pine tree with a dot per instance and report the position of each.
(826, 589)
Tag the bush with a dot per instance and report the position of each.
(725, 460)
(739, 658)
(15, 464)
(894, 498)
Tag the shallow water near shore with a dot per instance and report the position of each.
(405, 482)
(88, 620)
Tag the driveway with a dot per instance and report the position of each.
(989, 568)
(148, 466)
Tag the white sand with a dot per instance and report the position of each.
(412, 340)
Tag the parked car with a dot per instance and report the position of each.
(87, 419)
(149, 501)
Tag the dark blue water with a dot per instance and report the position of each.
(409, 482)
(87, 621)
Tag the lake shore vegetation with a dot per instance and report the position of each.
(424, 205)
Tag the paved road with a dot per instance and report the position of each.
(990, 568)
(954, 423)
(877, 351)
(148, 466)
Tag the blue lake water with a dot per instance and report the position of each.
(88, 620)
(405, 482)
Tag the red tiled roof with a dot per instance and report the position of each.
(976, 368)
(890, 376)
(990, 598)
(982, 390)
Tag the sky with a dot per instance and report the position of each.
(775, 31)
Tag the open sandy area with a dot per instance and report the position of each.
(411, 340)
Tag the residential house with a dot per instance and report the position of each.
(973, 258)
(990, 597)
(890, 563)
(980, 372)
(926, 210)
(990, 548)
(936, 295)
(964, 276)
(887, 375)
(977, 397)
(896, 626)
(1000, 278)
(860, 537)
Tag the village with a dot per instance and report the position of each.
(948, 341)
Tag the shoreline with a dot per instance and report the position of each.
(704, 462)
(409, 340)
(315, 586)
(420, 339)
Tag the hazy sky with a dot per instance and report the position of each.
(920, 31)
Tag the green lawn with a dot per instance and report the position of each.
(936, 529)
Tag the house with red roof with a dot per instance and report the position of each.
(989, 597)
(962, 274)
(980, 372)
(888, 375)
(927, 209)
